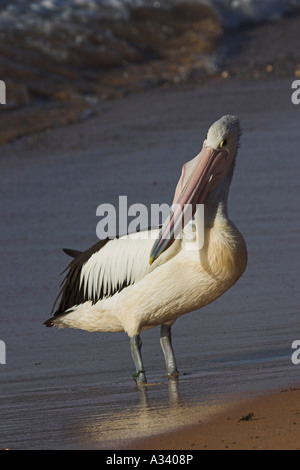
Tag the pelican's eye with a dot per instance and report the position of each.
(223, 143)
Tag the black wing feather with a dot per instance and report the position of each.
(72, 253)
(71, 292)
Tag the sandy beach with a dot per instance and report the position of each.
(238, 387)
(269, 422)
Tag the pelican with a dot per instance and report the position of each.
(130, 284)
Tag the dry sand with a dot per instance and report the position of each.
(271, 422)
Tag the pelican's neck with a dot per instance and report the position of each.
(215, 207)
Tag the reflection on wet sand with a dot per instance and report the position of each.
(173, 389)
(149, 417)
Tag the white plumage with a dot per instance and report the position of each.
(124, 259)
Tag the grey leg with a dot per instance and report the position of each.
(135, 346)
(166, 344)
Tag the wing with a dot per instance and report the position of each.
(72, 253)
(106, 268)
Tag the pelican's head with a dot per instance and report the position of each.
(221, 146)
(214, 163)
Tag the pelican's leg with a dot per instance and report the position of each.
(166, 344)
(135, 346)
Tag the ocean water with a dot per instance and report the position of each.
(82, 52)
(233, 13)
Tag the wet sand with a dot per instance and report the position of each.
(271, 422)
(73, 390)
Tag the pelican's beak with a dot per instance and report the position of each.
(196, 181)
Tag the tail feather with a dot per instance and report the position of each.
(49, 322)
(52, 321)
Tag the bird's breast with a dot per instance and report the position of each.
(224, 253)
